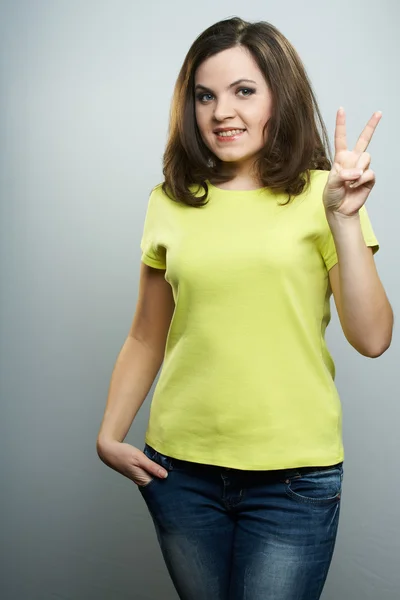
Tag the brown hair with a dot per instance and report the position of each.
(293, 145)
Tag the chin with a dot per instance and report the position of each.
(230, 156)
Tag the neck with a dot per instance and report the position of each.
(242, 177)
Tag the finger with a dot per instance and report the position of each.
(368, 177)
(152, 467)
(340, 131)
(364, 161)
(367, 133)
(339, 175)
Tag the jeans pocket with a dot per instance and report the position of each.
(160, 459)
(319, 487)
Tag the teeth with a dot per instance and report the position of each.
(229, 133)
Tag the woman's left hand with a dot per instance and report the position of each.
(350, 179)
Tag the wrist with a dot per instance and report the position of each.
(339, 220)
(103, 442)
(346, 232)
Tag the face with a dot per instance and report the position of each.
(233, 104)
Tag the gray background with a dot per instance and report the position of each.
(85, 92)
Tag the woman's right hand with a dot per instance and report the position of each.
(129, 461)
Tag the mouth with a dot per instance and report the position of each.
(228, 134)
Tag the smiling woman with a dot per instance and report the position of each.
(243, 244)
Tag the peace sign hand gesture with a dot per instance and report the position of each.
(350, 179)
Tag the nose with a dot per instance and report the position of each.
(223, 110)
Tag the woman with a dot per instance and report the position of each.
(251, 232)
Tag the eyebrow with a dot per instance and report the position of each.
(242, 80)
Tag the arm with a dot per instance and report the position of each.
(140, 357)
(364, 311)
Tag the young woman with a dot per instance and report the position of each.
(251, 232)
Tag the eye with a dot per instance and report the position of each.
(247, 91)
(204, 97)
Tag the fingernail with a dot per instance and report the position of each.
(163, 474)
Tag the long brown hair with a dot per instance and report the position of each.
(294, 144)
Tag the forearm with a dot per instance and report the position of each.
(365, 313)
(133, 375)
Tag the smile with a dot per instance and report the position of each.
(229, 134)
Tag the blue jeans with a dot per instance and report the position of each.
(227, 534)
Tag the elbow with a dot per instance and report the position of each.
(377, 351)
(376, 338)
(374, 348)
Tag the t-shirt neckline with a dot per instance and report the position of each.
(221, 191)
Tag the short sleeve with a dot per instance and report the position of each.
(329, 250)
(153, 253)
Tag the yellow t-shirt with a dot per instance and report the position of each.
(247, 381)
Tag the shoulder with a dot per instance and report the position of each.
(163, 203)
(312, 202)
(314, 191)
(318, 179)
(157, 190)
(158, 197)
(161, 196)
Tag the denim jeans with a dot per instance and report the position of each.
(227, 534)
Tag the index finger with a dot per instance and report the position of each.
(340, 131)
(367, 133)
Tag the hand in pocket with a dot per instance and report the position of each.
(130, 462)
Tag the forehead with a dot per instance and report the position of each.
(227, 66)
